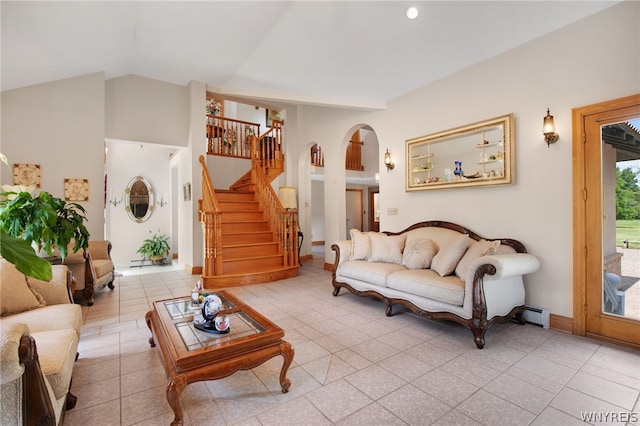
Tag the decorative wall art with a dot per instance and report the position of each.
(270, 116)
(27, 175)
(478, 154)
(76, 189)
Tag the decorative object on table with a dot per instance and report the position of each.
(196, 295)
(76, 189)
(27, 174)
(155, 248)
(209, 320)
(46, 222)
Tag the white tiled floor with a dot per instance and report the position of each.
(352, 366)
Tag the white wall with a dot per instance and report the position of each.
(59, 125)
(125, 161)
(562, 70)
(145, 110)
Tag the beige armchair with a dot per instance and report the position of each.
(91, 269)
(39, 335)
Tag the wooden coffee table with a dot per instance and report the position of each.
(190, 355)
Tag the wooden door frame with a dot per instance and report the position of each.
(579, 204)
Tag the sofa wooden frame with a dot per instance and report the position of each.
(478, 323)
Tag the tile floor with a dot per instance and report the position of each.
(352, 366)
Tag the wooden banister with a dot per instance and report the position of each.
(283, 222)
(211, 218)
(231, 137)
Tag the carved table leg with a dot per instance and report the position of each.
(147, 318)
(287, 354)
(174, 389)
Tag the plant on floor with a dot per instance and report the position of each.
(155, 248)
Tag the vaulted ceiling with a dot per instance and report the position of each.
(357, 54)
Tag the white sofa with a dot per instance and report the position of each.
(39, 335)
(438, 270)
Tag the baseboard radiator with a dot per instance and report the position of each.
(538, 316)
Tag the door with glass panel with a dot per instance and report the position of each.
(612, 222)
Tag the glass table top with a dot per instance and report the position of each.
(241, 324)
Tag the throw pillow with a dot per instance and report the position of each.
(476, 250)
(447, 258)
(360, 245)
(15, 294)
(386, 248)
(418, 253)
(51, 291)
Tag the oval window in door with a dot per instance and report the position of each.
(139, 199)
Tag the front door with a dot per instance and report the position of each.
(603, 284)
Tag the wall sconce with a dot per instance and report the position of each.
(115, 201)
(287, 196)
(549, 129)
(162, 202)
(387, 161)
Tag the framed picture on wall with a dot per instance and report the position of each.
(270, 116)
(76, 189)
(27, 175)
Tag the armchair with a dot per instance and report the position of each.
(39, 334)
(91, 269)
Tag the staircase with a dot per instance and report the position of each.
(249, 237)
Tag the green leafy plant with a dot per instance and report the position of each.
(44, 221)
(156, 246)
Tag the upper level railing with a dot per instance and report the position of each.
(228, 136)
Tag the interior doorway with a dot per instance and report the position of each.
(601, 295)
(354, 209)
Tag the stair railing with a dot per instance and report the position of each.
(267, 148)
(210, 216)
(283, 222)
(228, 136)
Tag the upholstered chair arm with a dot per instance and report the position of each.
(58, 290)
(10, 366)
(506, 265)
(100, 249)
(343, 249)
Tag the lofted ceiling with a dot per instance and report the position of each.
(355, 54)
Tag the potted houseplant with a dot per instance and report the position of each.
(155, 248)
(44, 221)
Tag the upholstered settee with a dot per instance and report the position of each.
(39, 335)
(438, 270)
(92, 269)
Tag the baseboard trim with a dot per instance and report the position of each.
(194, 270)
(328, 266)
(306, 257)
(560, 323)
(317, 243)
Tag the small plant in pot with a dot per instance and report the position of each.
(155, 248)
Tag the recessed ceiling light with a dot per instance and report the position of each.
(411, 12)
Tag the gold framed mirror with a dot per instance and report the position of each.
(478, 154)
(139, 199)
